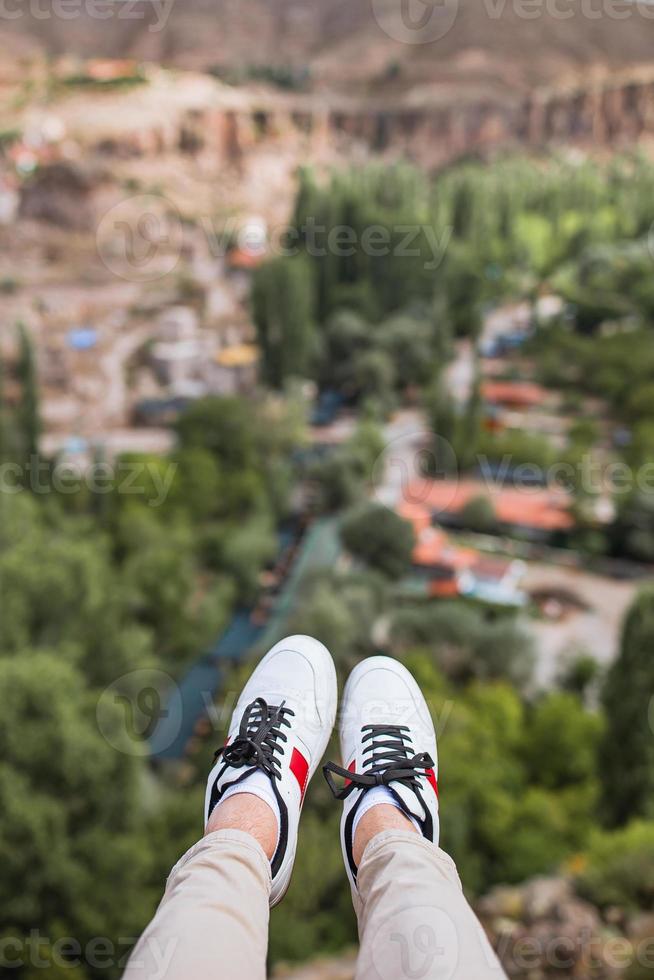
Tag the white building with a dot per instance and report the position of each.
(178, 323)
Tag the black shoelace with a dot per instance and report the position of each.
(259, 738)
(388, 760)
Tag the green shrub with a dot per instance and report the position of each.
(620, 867)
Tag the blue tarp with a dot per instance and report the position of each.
(200, 683)
(198, 686)
(176, 724)
(327, 407)
(82, 338)
(195, 692)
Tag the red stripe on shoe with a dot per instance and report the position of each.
(431, 776)
(300, 769)
(352, 766)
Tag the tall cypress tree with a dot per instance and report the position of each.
(28, 414)
(282, 302)
(441, 412)
(472, 420)
(627, 758)
(4, 422)
(442, 330)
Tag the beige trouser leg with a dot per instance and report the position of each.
(212, 921)
(414, 922)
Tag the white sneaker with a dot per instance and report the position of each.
(280, 728)
(388, 740)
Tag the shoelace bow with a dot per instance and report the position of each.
(258, 738)
(388, 761)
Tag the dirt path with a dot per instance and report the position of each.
(594, 631)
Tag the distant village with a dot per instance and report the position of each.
(119, 355)
(122, 351)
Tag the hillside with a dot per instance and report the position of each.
(486, 47)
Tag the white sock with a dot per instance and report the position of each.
(257, 784)
(375, 797)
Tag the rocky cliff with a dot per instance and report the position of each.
(458, 48)
(541, 930)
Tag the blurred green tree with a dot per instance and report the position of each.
(619, 867)
(628, 747)
(71, 809)
(28, 417)
(478, 514)
(282, 304)
(562, 744)
(380, 538)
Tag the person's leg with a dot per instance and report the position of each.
(414, 922)
(213, 919)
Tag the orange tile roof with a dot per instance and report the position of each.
(542, 509)
(435, 548)
(513, 393)
(444, 589)
(108, 69)
(416, 514)
(240, 258)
